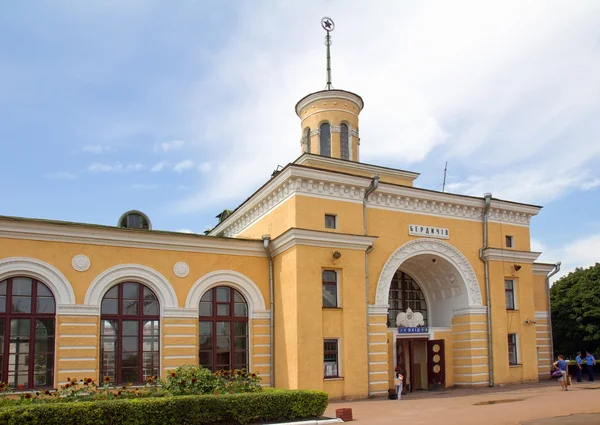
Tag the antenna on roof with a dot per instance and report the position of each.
(328, 25)
(445, 170)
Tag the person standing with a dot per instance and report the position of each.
(590, 361)
(398, 384)
(561, 365)
(579, 365)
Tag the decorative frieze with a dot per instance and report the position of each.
(318, 183)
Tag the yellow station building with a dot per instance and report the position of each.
(332, 276)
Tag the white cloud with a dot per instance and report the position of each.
(591, 184)
(505, 91)
(184, 165)
(580, 252)
(98, 167)
(159, 166)
(62, 175)
(205, 167)
(96, 149)
(169, 146)
(184, 231)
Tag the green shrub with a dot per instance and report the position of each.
(195, 380)
(273, 405)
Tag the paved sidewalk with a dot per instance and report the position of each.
(515, 404)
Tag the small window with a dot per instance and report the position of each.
(330, 221)
(509, 241)
(509, 293)
(331, 358)
(330, 296)
(344, 146)
(135, 220)
(325, 139)
(307, 137)
(512, 349)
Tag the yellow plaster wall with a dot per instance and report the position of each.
(540, 292)
(273, 223)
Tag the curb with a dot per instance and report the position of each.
(314, 422)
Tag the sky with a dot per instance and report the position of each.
(182, 109)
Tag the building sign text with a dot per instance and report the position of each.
(428, 231)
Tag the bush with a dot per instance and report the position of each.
(272, 405)
(195, 380)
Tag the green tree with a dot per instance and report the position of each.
(575, 302)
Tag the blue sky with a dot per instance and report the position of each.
(181, 109)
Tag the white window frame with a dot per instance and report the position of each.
(515, 304)
(512, 241)
(339, 359)
(335, 221)
(337, 289)
(516, 350)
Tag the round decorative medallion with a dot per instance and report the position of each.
(181, 269)
(81, 262)
(436, 368)
(436, 348)
(436, 358)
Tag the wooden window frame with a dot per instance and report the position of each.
(120, 317)
(403, 280)
(514, 345)
(231, 319)
(509, 241)
(335, 352)
(330, 283)
(8, 315)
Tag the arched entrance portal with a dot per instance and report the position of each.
(424, 285)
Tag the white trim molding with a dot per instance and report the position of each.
(435, 247)
(242, 283)
(56, 231)
(319, 238)
(542, 315)
(329, 94)
(57, 282)
(137, 273)
(378, 310)
(301, 180)
(497, 254)
(470, 311)
(542, 268)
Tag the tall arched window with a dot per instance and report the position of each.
(129, 333)
(405, 293)
(325, 141)
(344, 147)
(307, 135)
(27, 310)
(223, 335)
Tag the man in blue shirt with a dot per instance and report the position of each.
(590, 362)
(579, 367)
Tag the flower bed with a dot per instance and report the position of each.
(243, 408)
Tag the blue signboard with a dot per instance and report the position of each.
(417, 330)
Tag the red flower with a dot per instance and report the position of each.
(47, 392)
(20, 386)
(28, 395)
(67, 385)
(173, 375)
(194, 380)
(107, 379)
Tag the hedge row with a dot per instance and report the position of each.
(270, 405)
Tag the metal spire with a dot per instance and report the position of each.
(328, 25)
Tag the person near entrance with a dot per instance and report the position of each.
(561, 365)
(590, 361)
(398, 384)
(579, 365)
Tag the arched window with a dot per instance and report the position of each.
(405, 293)
(135, 220)
(325, 145)
(223, 335)
(129, 334)
(344, 147)
(307, 135)
(27, 310)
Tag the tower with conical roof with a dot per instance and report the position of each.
(329, 118)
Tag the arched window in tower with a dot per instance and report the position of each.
(129, 334)
(404, 294)
(344, 147)
(307, 136)
(325, 141)
(223, 335)
(27, 309)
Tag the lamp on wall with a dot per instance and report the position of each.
(337, 255)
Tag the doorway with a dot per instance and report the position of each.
(422, 363)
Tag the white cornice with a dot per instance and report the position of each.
(542, 268)
(96, 235)
(316, 160)
(305, 181)
(294, 237)
(496, 254)
(329, 94)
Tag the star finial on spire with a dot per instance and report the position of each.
(328, 25)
